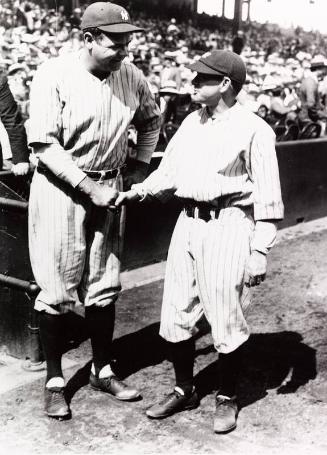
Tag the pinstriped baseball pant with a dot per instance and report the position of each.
(75, 247)
(205, 274)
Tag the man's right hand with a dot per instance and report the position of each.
(104, 196)
(126, 196)
(100, 195)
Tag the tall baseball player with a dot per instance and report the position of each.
(80, 109)
(222, 164)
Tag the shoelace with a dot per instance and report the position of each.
(57, 394)
(56, 390)
(113, 380)
(170, 396)
(228, 402)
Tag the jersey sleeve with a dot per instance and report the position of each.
(45, 122)
(147, 121)
(267, 199)
(45, 125)
(162, 183)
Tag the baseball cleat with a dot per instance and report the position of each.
(225, 414)
(114, 387)
(56, 405)
(172, 403)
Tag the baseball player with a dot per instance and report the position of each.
(80, 109)
(222, 165)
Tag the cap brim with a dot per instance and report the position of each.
(120, 28)
(318, 66)
(200, 67)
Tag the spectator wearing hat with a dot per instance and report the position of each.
(278, 109)
(238, 42)
(172, 27)
(75, 18)
(221, 164)
(12, 122)
(312, 108)
(170, 71)
(81, 106)
(168, 93)
(153, 78)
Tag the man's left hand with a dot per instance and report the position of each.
(136, 172)
(256, 269)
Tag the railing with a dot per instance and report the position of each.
(30, 288)
(7, 203)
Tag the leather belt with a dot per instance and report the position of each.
(202, 210)
(99, 176)
(104, 175)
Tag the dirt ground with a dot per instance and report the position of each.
(283, 392)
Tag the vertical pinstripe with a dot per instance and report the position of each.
(231, 161)
(205, 274)
(232, 156)
(88, 117)
(75, 247)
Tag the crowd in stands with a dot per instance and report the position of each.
(279, 62)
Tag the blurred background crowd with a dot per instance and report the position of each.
(287, 69)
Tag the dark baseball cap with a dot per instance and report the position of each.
(221, 63)
(108, 17)
(317, 65)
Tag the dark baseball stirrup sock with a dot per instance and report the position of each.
(182, 355)
(230, 366)
(100, 322)
(51, 335)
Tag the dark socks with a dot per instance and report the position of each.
(182, 355)
(52, 339)
(100, 323)
(230, 366)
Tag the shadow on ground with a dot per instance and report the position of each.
(271, 361)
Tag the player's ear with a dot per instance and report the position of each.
(225, 84)
(88, 38)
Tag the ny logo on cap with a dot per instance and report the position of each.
(124, 15)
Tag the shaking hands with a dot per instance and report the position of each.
(104, 196)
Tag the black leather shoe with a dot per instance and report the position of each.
(172, 403)
(225, 415)
(115, 387)
(55, 403)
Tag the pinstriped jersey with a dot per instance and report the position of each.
(89, 117)
(231, 155)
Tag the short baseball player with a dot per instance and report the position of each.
(80, 109)
(222, 165)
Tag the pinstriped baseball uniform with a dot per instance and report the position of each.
(75, 246)
(227, 161)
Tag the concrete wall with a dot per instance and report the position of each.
(303, 175)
